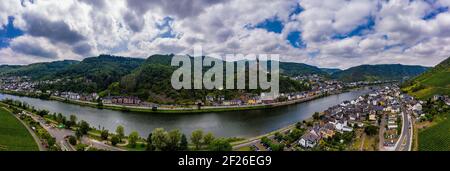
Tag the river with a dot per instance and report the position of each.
(224, 124)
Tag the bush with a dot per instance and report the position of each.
(220, 144)
(51, 141)
(133, 138)
(73, 140)
(80, 147)
(104, 134)
(115, 140)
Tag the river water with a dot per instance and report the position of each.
(225, 124)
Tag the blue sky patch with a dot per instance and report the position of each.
(8, 32)
(165, 26)
(297, 10)
(433, 13)
(295, 39)
(359, 30)
(274, 25)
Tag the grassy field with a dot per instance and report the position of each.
(436, 137)
(13, 135)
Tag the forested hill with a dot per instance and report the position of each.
(151, 81)
(37, 70)
(379, 72)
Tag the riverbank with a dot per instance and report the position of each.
(144, 109)
(247, 142)
(243, 124)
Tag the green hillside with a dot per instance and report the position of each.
(295, 69)
(99, 72)
(434, 81)
(8, 68)
(331, 71)
(151, 82)
(379, 72)
(44, 70)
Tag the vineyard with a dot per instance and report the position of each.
(437, 137)
(13, 135)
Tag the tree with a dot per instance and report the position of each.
(298, 125)
(371, 130)
(72, 121)
(42, 112)
(184, 143)
(133, 138)
(104, 134)
(84, 127)
(278, 136)
(173, 143)
(277, 147)
(209, 137)
(114, 140)
(78, 133)
(120, 132)
(294, 135)
(51, 141)
(196, 138)
(73, 140)
(220, 144)
(266, 141)
(316, 116)
(59, 117)
(160, 139)
(150, 146)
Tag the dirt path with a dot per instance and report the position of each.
(363, 138)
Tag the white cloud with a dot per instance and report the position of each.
(399, 33)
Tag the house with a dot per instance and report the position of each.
(447, 101)
(267, 101)
(343, 127)
(395, 109)
(121, 100)
(232, 102)
(251, 101)
(309, 140)
(417, 107)
(352, 117)
(209, 98)
(392, 126)
(372, 116)
(327, 130)
(438, 97)
(107, 100)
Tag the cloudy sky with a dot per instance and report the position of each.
(331, 33)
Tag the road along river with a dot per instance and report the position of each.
(224, 124)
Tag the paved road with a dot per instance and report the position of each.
(99, 145)
(61, 134)
(58, 134)
(406, 136)
(256, 140)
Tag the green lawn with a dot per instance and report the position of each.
(13, 135)
(436, 137)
